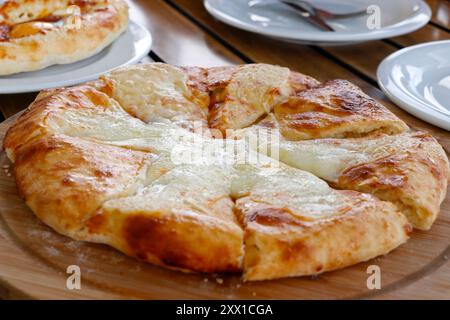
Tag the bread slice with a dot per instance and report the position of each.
(241, 95)
(295, 225)
(409, 169)
(335, 109)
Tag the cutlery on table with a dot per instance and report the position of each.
(317, 16)
(327, 14)
(309, 13)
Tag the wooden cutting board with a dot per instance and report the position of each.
(34, 260)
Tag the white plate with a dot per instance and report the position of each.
(417, 78)
(129, 48)
(274, 19)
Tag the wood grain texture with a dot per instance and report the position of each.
(357, 55)
(10, 104)
(176, 39)
(426, 34)
(441, 12)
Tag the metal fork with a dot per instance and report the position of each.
(307, 5)
(309, 15)
(317, 16)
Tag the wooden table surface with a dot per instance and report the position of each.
(185, 34)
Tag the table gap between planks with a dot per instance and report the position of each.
(185, 34)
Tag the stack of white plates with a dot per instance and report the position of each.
(383, 19)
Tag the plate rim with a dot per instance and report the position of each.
(415, 22)
(419, 109)
(70, 82)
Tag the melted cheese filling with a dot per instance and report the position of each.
(38, 20)
(156, 92)
(30, 29)
(13, 14)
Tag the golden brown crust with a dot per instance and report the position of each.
(241, 95)
(295, 224)
(53, 109)
(336, 109)
(77, 165)
(300, 82)
(156, 91)
(218, 253)
(182, 220)
(19, 11)
(415, 179)
(181, 241)
(279, 245)
(65, 180)
(409, 169)
(39, 44)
